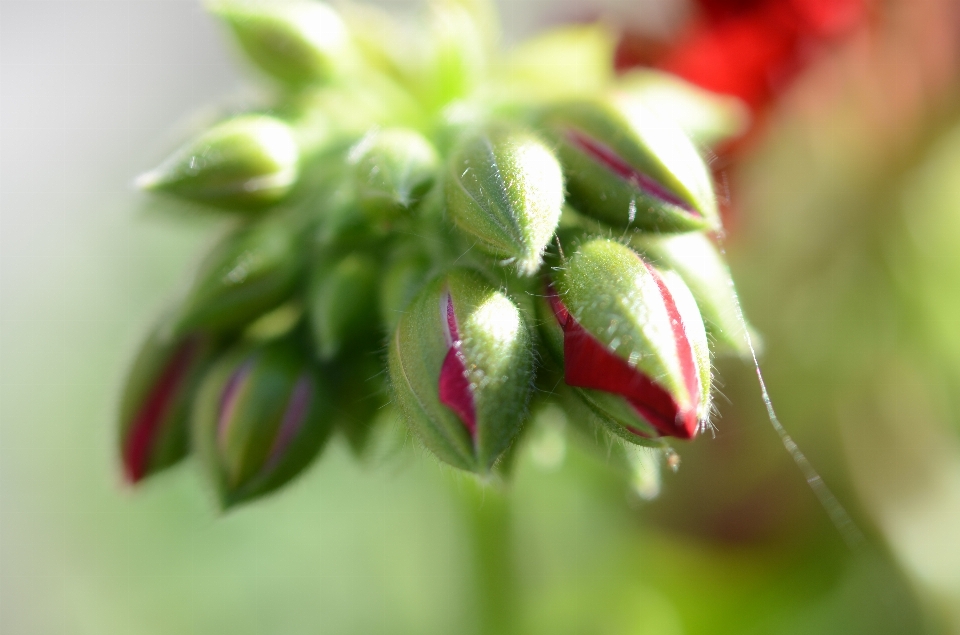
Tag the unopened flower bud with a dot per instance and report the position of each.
(261, 417)
(626, 166)
(404, 277)
(706, 117)
(248, 161)
(295, 41)
(362, 394)
(392, 170)
(156, 402)
(504, 189)
(461, 38)
(703, 270)
(342, 301)
(252, 271)
(461, 364)
(631, 340)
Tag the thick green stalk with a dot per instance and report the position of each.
(491, 537)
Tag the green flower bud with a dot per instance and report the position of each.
(392, 170)
(461, 365)
(294, 41)
(461, 39)
(342, 301)
(707, 117)
(504, 189)
(246, 162)
(362, 393)
(252, 271)
(626, 166)
(631, 341)
(156, 402)
(403, 278)
(703, 270)
(261, 417)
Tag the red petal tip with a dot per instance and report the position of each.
(588, 364)
(454, 388)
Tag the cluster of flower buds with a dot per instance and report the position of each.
(497, 234)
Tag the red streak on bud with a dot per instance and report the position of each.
(228, 399)
(688, 365)
(606, 156)
(146, 424)
(588, 364)
(293, 420)
(454, 388)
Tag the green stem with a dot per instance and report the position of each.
(488, 511)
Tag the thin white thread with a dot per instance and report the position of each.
(841, 519)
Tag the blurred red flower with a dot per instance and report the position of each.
(748, 48)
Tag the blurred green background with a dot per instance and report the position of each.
(845, 242)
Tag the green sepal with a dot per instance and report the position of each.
(252, 271)
(694, 257)
(157, 397)
(628, 167)
(342, 301)
(504, 190)
(497, 350)
(393, 169)
(294, 41)
(247, 162)
(261, 417)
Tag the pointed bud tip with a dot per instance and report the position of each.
(651, 375)
(505, 190)
(148, 181)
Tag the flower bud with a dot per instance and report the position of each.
(460, 39)
(342, 301)
(504, 189)
(461, 364)
(362, 394)
(294, 41)
(261, 417)
(703, 270)
(626, 166)
(246, 162)
(631, 340)
(706, 117)
(156, 402)
(404, 277)
(392, 170)
(252, 271)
